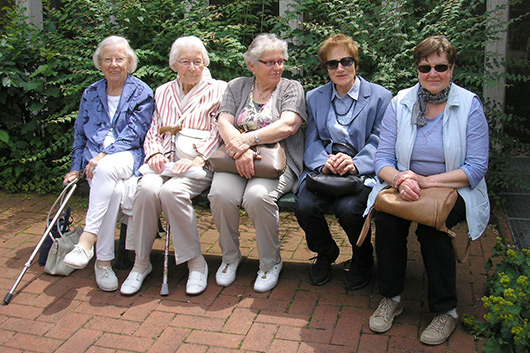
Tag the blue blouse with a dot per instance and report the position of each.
(129, 124)
(476, 162)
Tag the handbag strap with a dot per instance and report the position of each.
(366, 226)
(461, 258)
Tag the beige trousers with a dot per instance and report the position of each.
(258, 197)
(157, 193)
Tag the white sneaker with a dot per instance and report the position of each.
(78, 258)
(197, 282)
(439, 329)
(267, 280)
(226, 274)
(106, 278)
(382, 318)
(134, 281)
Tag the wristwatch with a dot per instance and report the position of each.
(256, 138)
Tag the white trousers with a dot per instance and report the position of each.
(258, 197)
(106, 191)
(154, 194)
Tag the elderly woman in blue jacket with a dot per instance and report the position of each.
(342, 135)
(434, 134)
(114, 116)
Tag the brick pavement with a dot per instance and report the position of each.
(70, 314)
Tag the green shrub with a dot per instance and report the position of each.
(506, 325)
(43, 72)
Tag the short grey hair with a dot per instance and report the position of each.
(131, 55)
(263, 43)
(189, 41)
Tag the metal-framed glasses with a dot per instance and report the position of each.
(345, 62)
(425, 69)
(271, 63)
(196, 63)
(118, 61)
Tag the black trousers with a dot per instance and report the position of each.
(436, 250)
(310, 212)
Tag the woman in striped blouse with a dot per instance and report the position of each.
(190, 101)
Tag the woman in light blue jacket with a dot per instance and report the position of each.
(114, 116)
(434, 134)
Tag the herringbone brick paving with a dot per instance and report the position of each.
(70, 314)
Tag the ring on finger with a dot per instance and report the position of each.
(402, 191)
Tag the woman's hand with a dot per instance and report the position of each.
(239, 144)
(340, 164)
(410, 190)
(400, 177)
(157, 163)
(92, 164)
(183, 164)
(409, 184)
(245, 164)
(68, 178)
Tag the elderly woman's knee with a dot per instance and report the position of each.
(257, 199)
(171, 193)
(218, 198)
(106, 166)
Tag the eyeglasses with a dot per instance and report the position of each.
(425, 69)
(118, 61)
(345, 62)
(271, 63)
(195, 63)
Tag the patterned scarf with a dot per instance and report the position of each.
(420, 106)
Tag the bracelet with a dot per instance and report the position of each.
(394, 179)
(256, 138)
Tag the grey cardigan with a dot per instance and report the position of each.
(288, 96)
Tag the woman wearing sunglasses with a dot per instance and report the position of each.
(434, 134)
(344, 117)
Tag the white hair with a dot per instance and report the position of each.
(110, 40)
(263, 43)
(189, 41)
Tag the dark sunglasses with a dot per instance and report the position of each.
(345, 62)
(425, 69)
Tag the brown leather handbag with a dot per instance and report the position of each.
(432, 209)
(271, 165)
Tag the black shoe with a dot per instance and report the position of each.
(357, 278)
(320, 272)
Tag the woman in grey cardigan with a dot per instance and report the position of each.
(262, 109)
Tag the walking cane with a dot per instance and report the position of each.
(68, 191)
(164, 290)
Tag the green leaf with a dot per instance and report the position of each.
(6, 81)
(4, 136)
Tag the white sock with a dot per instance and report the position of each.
(197, 264)
(453, 313)
(397, 298)
(140, 265)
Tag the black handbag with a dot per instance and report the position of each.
(334, 185)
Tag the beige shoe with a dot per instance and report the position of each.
(78, 258)
(105, 278)
(381, 320)
(438, 330)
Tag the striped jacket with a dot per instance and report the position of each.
(199, 108)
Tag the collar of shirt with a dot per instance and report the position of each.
(352, 93)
